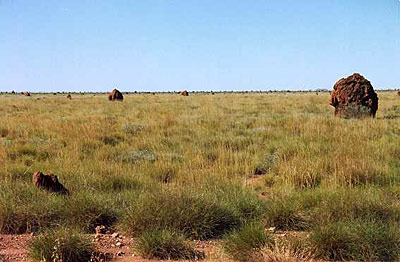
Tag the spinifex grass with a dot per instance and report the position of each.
(164, 244)
(242, 243)
(62, 245)
(198, 150)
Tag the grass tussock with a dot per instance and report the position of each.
(23, 209)
(87, 211)
(357, 240)
(244, 243)
(305, 210)
(61, 245)
(197, 214)
(165, 245)
(26, 209)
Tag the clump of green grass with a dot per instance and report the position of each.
(61, 245)
(112, 183)
(359, 203)
(197, 214)
(303, 210)
(357, 240)
(24, 209)
(86, 211)
(242, 243)
(164, 244)
(286, 215)
(27, 209)
(288, 210)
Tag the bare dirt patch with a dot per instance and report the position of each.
(115, 247)
(14, 247)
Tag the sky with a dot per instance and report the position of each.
(170, 45)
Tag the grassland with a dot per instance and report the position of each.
(186, 165)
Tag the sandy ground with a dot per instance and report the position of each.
(15, 248)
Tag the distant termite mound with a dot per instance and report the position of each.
(184, 93)
(49, 183)
(115, 95)
(354, 96)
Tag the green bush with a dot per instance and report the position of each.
(241, 243)
(164, 244)
(61, 245)
(357, 240)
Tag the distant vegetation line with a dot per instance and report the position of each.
(193, 92)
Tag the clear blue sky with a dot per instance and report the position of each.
(157, 45)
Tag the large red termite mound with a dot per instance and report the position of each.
(354, 96)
